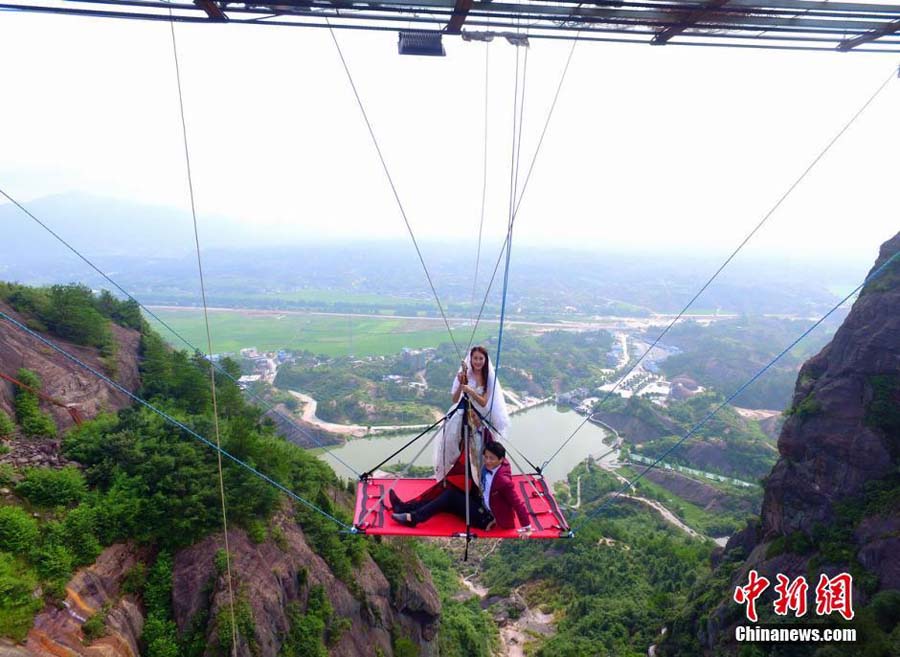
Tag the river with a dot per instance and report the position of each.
(536, 433)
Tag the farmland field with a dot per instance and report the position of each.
(331, 335)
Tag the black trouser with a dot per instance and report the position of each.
(454, 500)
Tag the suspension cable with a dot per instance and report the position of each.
(212, 370)
(168, 327)
(877, 272)
(534, 158)
(168, 418)
(734, 253)
(393, 187)
(487, 45)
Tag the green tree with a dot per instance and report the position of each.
(18, 530)
(33, 421)
(73, 316)
(18, 604)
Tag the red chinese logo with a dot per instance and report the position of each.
(791, 595)
(748, 594)
(835, 594)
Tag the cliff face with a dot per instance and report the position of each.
(842, 435)
(62, 379)
(829, 446)
(270, 577)
(267, 576)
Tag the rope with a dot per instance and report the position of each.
(212, 370)
(390, 180)
(752, 379)
(487, 51)
(396, 476)
(443, 419)
(740, 246)
(513, 183)
(219, 368)
(172, 420)
(537, 151)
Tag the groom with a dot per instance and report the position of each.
(497, 505)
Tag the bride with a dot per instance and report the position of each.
(479, 383)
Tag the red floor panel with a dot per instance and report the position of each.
(373, 512)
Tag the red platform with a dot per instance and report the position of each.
(373, 511)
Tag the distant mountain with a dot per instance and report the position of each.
(107, 226)
(149, 250)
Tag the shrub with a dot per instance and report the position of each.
(48, 487)
(135, 579)
(79, 534)
(54, 562)
(256, 531)
(18, 530)
(18, 604)
(33, 421)
(95, 626)
(7, 474)
(7, 426)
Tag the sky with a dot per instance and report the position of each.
(660, 149)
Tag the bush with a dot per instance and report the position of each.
(79, 534)
(54, 563)
(18, 604)
(18, 530)
(48, 487)
(135, 579)
(256, 531)
(7, 426)
(7, 474)
(33, 421)
(95, 626)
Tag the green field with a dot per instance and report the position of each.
(331, 335)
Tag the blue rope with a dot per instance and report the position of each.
(172, 420)
(741, 389)
(184, 340)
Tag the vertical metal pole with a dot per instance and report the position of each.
(468, 463)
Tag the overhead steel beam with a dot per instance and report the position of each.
(212, 10)
(460, 11)
(850, 44)
(662, 38)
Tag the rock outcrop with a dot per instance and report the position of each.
(62, 379)
(57, 631)
(269, 577)
(833, 445)
(828, 448)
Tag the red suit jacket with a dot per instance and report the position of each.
(505, 501)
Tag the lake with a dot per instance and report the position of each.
(536, 433)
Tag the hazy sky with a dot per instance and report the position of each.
(657, 148)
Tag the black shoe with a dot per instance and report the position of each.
(404, 519)
(397, 504)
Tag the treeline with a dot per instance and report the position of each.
(726, 444)
(73, 312)
(354, 392)
(725, 354)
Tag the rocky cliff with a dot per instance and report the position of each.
(832, 501)
(62, 379)
(270, 578)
